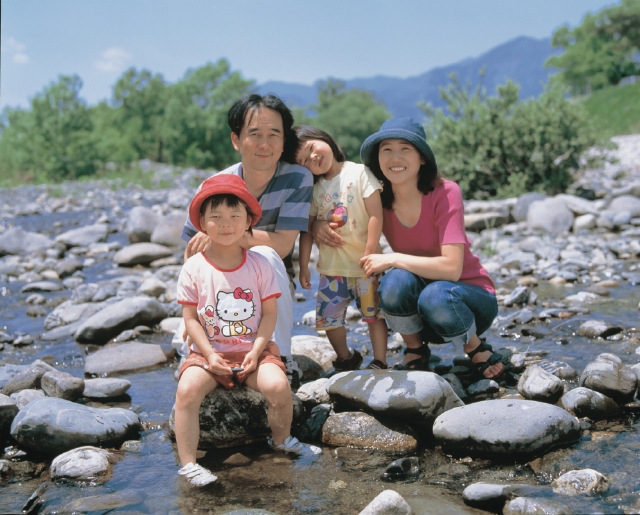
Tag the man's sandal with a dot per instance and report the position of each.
(477, 369)
(421, 363)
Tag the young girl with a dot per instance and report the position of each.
(347, 195)
(228, 296)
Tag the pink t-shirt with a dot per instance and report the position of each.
(441, 222)
(228, 301)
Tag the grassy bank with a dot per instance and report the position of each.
(616, 110)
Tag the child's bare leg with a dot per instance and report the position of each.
(378, 334)
(272, 383)
(195, 383)
(338, 340)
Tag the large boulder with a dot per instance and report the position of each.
(413, 396)
(141, 254)
(84, 236)
(140, 224)
(505, 428)
(125, 357)
(82, 464)
(52, 426)
(584, 402)
(168, 229)
(537, 384)
(627, 203)
(115, 318)
(521, 208)
(609, 376)
(17, 242)
(551, 215)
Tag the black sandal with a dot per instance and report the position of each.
(477, 369)
(421, 363)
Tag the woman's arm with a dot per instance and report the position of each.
(263, 335)
(198, 336)
(373, 205)
(323, 232)
(447, 267)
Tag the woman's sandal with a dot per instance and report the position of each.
(477, 369)
(421, 363)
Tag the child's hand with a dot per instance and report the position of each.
(305, 278)
(218, 366)
(250, 362)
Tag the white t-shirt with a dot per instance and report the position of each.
(229, 302)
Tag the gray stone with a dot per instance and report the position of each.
(550, 215)
(62, 385)
(105, 387)
(492, 497)
(316, 349)
(537, 384)
(18, 242)
(118, 316)
(583, 402)
(405, 395)
(363, 431)
(482, 387)
(477, 222)
(598, 329)
(42, 286)
(167, 231)
(314, 392)
(140, 224)
(312, 428)
(152, 287)
(621, 218)
(68, 312)
(8, 410)
(85, 463)
(560, 369)
(27, 378)
(505, 428)
(609, 376)
(581, 482)
(84, 236)
(24, 397)
(388, 502)
(53, 426)
(141, 254)
(124, 357)
(521, 208)
(579, 206)
(584, 222)
(520, 295)
(627, 203)
(545, 505)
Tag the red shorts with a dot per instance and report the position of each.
(270, 354)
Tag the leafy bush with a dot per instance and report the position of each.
(499, 147)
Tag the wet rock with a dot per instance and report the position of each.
(582, 298)
(551, 215)
(318, 350)
(361, 430)
(105, 387)
(521, 208)
(581, 482)
(388, 502)
(140, 224)
(402, 469)
(68, 267)
(35, 312)
(609, 376)
(24, 397)
(584, 402)
(518, 296)
(484, 386)
(545, 505)
(237, 460)
(124, 357)
(152, 287)
(118, 316)
(8, 410)
(84, 236)
(229, 418)
(62, 385)
(456, 385)
(42, 286)
(405, 395)
(598, 329)
(24, 379)
(18, 242)
(505, 428)
(560, 369)
(491, 497)
(131, 446)
(53, 426)
(141, 254)
(312, 428)
(314, 392)
(81, 464)
(537, 384)
(167, 231)
(102, 503)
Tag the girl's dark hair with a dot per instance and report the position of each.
(227, 199)
(428, 178)
(300, 134)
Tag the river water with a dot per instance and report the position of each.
(340, 481)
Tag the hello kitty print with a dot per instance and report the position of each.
(228, 301)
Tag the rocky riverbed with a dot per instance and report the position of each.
(88, 360)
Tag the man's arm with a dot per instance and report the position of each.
(281, 241)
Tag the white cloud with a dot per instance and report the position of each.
(114, 59)
(16, 50)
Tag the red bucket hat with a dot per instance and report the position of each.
(223, 183)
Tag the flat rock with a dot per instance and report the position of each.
(84, 236)
(62, 385)
(85, 463)
(609, 376)
(584, 402)
(505, 428)
(141, 254)
(119, 316)
(598, 329)
(361, 430)
(26, 378)
(414, 396)
(105, 387)
(388, 502)
(15, 241)
(587, 482)
(53, 426)
(42, 286)
(537, 384)
(125, 357)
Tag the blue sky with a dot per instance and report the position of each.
(288, 40)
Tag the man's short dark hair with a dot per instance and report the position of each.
(250, 104)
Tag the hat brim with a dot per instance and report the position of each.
(368, 156)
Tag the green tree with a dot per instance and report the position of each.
(348, 115)
(53, 140)
(601, 51)
(497, 146)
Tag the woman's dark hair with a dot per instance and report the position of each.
(428, 178)
(227, 199)
(250, 104)
(300, 134)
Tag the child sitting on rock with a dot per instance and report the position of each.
(228, 296)
(347, 195)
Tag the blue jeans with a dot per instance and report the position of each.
(441, 311)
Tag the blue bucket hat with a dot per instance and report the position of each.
(398, 128)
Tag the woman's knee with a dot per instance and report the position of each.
(437, 303)
(397, 289)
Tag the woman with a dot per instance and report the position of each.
(433, 290)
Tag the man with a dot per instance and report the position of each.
(259, 126)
